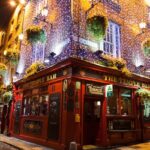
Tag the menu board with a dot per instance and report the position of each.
(54, 116)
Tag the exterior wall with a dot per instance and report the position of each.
(67, 21)
(132, 13)
(57, 27)
(76, 82)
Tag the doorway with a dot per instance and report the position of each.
(92, 117)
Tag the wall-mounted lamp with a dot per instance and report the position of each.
(139, 69)
(23, 2)
(51, 56)
(12, 3)
(98, 52)
(147, 2)
(21, 36)
(142, 25)
(42, 16)
(44, 12)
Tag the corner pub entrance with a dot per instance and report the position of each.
(70, 102)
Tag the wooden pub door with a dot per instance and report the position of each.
(91, 124)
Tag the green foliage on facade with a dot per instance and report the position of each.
(3, 69)
(97, 26)
(143, 93)
(36, 34)
(34, 68)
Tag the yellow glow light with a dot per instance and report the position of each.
(22, 2)
(44, 12)
(13, 3)
(5, 52)
(142, 25)
(85, 4)
(147, 2)
(21, 36)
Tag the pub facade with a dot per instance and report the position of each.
(82, 102)
(82, 95)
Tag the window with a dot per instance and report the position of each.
(40, 6)
(146, 110)
(120, 102)
(146, 48)
(38, 52)
(125, 95)
(112, 102)
(35, 105)
(112, 40)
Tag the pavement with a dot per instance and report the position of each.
(11, 143)
(141, 146)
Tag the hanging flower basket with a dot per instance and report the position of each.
(34, 68)
(3, 68)
(12, 55)
(7, 96)
(9, 87)
(97, 26)
(126, 71)
(144, 93)
(36, 34)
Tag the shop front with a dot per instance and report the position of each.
(82, 102)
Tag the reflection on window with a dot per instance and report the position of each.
(125, 101)
(36, 105)
(146, 110)
(112, 102)
(120, 102)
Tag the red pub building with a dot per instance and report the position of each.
(82, 102)
(82, 96)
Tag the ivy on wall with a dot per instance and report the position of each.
(146, 48)
(36, 34)
(3, 69)
(97, 26)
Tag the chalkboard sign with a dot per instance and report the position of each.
(54, 116)
(17, 117)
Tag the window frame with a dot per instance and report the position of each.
(118, 105)
(116, 38)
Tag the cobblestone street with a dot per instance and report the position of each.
(4, 146)
(11, 143)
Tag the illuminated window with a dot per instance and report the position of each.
(112, 40)
(40, 6)
(38, 52)
(146, 110)
(120, 102)
(146, 48)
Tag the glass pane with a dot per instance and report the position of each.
(26, 105)
(44, 105)
(146, 110)
(112, 102)
(126, 104)
(35, 107)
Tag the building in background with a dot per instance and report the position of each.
(82, 95)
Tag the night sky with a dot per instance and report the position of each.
(5, 13)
